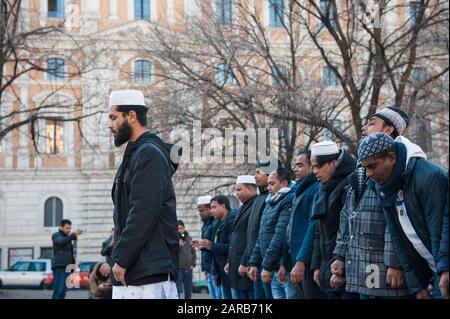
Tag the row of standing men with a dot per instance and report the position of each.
(371, 228)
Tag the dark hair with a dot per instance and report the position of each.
(394, 133)
(141, 112)
(308, 155)
(222, 200)
(283, 174)
(323, 159)
(180, 222)
(65, 221)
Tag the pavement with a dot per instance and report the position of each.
(71, 294)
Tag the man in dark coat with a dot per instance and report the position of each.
(187, 261)
(262, 171)
(331, 167)
(413, 193)
(220, 244)
(241, 286)
(107, 247)
(62, 257)
(146, 250)
(207, 232)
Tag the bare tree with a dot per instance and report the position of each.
(25, 47)
(235, 65)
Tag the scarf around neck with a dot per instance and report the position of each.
(389, 190)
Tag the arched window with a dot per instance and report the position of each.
(53, 212)
(142, 71)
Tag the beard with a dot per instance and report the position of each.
(123, 134)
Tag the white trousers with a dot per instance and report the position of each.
(160, 290)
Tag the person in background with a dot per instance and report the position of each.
(107, 247)
(62, 257)
(220, 244)
(208, 229)
(100, 286)
(187, 259)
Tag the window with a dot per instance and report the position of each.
(419, 75)
(21, 266)
(55, 68)
(328, 77)
(278, 73)
(53, 212)
(142, 10)
(55, 8)
(46, 253)
(54, 137)
(327, 10)
(224, 12)
(20, 254)
(414, 8)
(276, 9)
(224, 75)
(38, 266)
(142, 71)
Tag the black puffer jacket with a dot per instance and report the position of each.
(145, 210)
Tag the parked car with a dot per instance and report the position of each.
(36, 273)
(80, 277)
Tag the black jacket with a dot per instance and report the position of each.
(328, 225)
(254, 221)
(238, 243)
(107, 250)
(62, 249)
(208, 231)
(425, 194)
(145, 211)
(221, 245)
(187, 255)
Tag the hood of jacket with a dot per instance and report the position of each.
(412, 150)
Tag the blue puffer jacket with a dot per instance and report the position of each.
(272, 231)
(442, 263)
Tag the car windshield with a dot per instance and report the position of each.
(37, 266)
(21, 266)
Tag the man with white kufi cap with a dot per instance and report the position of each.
(207, 232)
(146, 240)
(331, 166)
(241, 286)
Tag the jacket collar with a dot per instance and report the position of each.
(305, 183)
